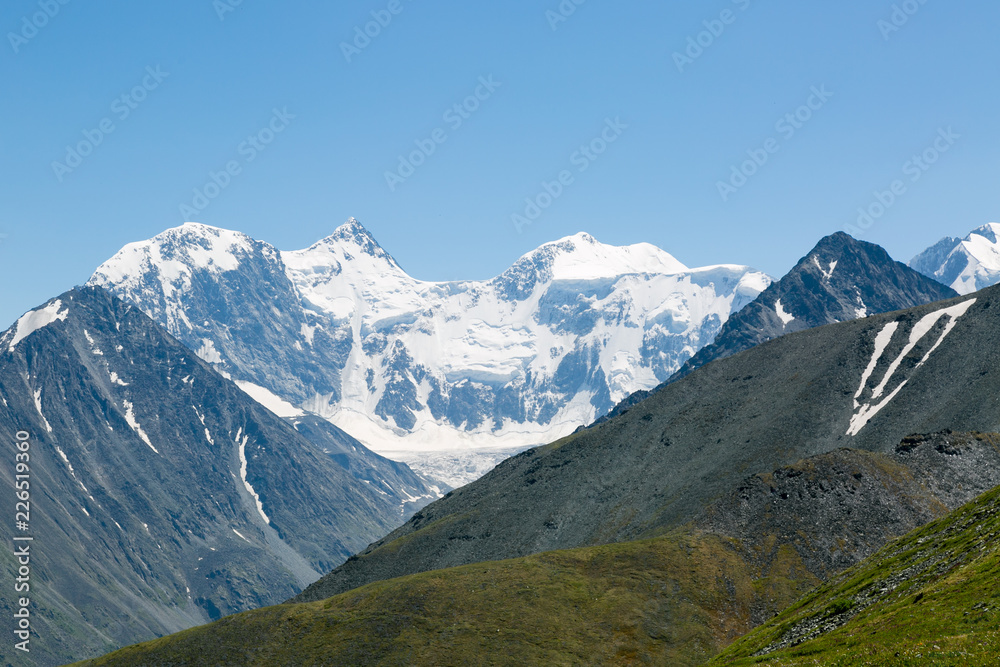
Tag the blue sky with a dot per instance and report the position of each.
(201, 77)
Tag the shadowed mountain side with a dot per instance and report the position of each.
(162, 495)
(400, 485)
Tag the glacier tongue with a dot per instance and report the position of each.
(339, 329)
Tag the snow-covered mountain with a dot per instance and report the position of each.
(340, 330)
(966, 265)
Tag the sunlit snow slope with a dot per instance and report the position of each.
(340, 330)
(966, 265)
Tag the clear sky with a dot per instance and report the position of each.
(153, 98)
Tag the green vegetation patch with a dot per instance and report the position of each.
(929, 598)
(674, 600)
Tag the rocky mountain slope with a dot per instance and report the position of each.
(929, 598)
(968, 264)
(162, 495)
(841, 279)
(340, 330)
(673, 600)
(864, 384)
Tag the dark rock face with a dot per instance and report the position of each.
(162, 495)
(864, 384)
(841, 279)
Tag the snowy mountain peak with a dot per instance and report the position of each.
(176, 251)
(988, 231)
(966, 265)
(175, 263)
(347, 241)
(582, 257)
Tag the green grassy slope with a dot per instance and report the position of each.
(674, 600)
(929, 598)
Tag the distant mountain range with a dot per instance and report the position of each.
(340, 330)
(162, 495)
(967, 264)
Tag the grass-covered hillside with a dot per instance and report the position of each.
(675, 600)
(930, 598)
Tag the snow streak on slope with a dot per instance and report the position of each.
(134, 423)
(243, 475)
(882, 341)
(38, 406)
(864, 413)
(571, 328)
(785, 317)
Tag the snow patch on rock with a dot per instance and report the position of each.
(34, 320)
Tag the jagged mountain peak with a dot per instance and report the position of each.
(990, 231)
(351, 244)
(841, 249)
